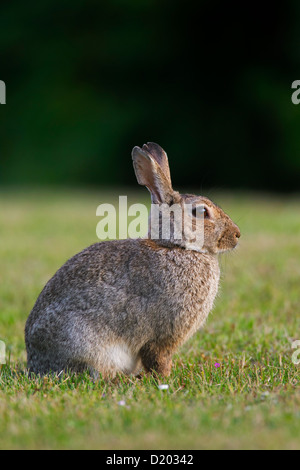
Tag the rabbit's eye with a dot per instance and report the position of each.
(200, 211)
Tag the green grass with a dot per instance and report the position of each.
(251, 401)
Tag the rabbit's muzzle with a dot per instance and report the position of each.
(229, 238)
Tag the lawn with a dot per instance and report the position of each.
(251, 401)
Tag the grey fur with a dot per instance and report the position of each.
(120, 305)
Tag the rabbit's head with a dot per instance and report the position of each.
(193, 222)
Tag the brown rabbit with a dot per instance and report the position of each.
(120, 305)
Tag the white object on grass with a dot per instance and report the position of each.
(163, 387)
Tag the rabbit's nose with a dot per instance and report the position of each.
(237, 233)
(235, 230)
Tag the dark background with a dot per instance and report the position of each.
(209, 81)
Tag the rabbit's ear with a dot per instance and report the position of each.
(151, 174)
(160, 157)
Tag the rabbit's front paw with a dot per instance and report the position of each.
(156, 359)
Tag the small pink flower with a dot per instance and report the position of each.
(217, 364)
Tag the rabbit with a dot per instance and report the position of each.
(123, 305)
